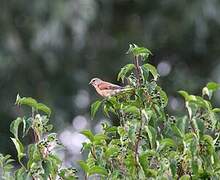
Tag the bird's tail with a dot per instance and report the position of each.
(125, 89)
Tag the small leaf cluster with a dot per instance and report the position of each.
(149, 142)
(38, 160)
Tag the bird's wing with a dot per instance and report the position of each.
(107, 85)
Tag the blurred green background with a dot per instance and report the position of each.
(50, 49)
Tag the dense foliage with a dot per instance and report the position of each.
(148, 143)
(37, 161)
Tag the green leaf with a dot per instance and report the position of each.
(167, 142)
(48, 168)
(121, 131)
(27, 123)
(209, 143)
(34, 155)
(216, 110)
(196, 100)
(151, 173)
(19, 147)
(199, 125)
(88, 134)
(151, 135)
(177, 131)
(26, 101)
(14, 126)
(173, 167)
(185, 177)
(111, 152)
(44, 108)
(131, 109)
(21, 174)
(151, 69)
(6, 168)
(182, 124)
(84, 166)
(32, 103)
(98, 170)
(213, 86)
(195, 166)
(124, 71)
(99, 138)
(202, 102)
(94, 107)
(184, 94)
(144, 161)
(139, 51)
(163, 96)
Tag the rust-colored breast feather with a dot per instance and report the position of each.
(108, 86)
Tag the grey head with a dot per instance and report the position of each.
(95, 81)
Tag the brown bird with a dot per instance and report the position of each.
(104, 88)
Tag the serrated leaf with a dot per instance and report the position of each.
(14, 126)
(98, 170)
(151, 69)
(124, 71)
(94, 108)
(88, 134)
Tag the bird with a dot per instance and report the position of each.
(105, 89)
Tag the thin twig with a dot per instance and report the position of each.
(138, 74)
(93, 153)
(137, 70)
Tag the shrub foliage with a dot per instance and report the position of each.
(147, 143)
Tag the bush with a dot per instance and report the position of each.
(148, 143)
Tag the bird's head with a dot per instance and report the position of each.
(95, 81)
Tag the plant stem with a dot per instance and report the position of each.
(93, 153)
(86, 177)
(137, 70)
(137, 144)
(138, 75)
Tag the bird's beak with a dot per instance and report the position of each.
(90, 82)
